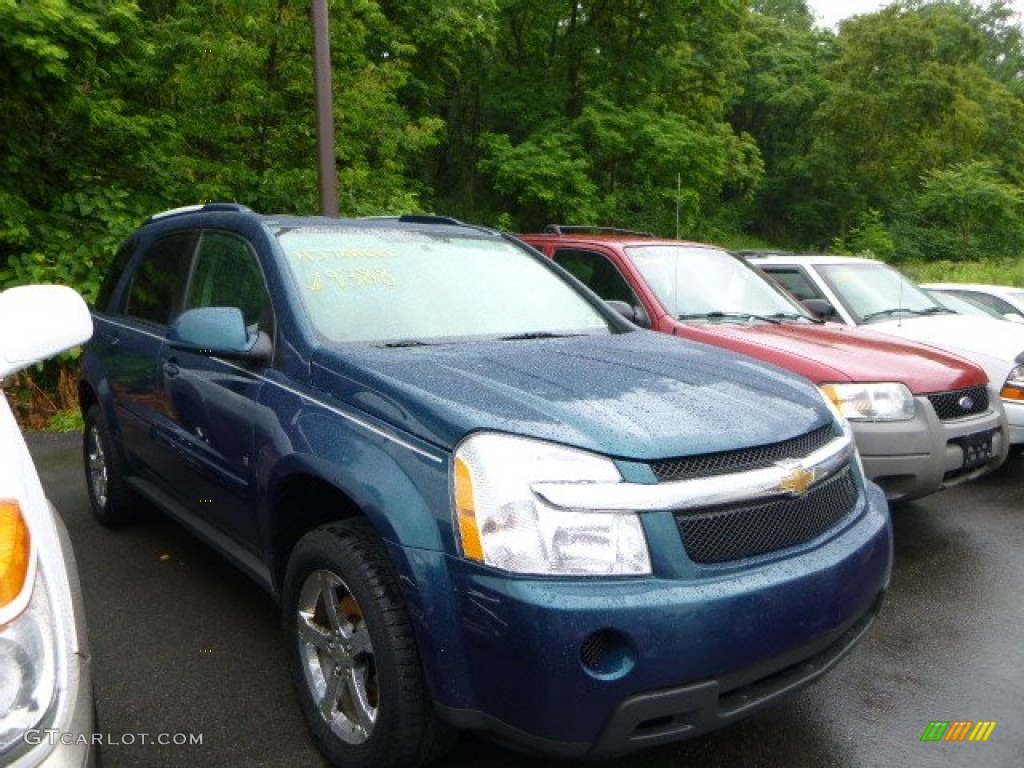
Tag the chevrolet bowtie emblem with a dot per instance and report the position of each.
(797, 481)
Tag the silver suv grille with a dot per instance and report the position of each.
(959, 404)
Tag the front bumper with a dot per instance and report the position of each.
(574, 667)
(67, 741)
(910, 459)
(1015, 420)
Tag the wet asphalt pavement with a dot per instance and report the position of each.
(186, 646)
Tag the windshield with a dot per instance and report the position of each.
(693, 282)
(380, 284)
(874, 291)
(962, 305)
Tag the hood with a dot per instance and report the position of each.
(637, 395)
(835, 353)
(995, 345)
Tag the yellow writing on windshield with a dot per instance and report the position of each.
(342, 254)
(347, 279)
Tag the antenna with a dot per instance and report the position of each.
(899, 301)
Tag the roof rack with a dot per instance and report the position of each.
(584, 229)
(428, 218)
(417, 218)
(238, 207)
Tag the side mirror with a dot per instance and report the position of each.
(218, 331)
(820, 308)
(633, 314)
(37, 322)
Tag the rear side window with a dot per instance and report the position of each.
(159, 283)
(113, 276)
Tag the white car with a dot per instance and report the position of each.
(962, 306)
(1004, 300)
(858, 291)
(46, 700)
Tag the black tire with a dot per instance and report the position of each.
(113, 502)
(378, 713)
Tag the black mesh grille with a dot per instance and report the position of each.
(722, 534)
(723, 463)
(959, 404)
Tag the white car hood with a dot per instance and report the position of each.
(993, 344)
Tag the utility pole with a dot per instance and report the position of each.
(325, 139)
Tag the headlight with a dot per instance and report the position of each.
(1013, 389)
(502, 523)
(28, 646)
(872, 402)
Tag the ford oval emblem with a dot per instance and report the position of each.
(966, 402)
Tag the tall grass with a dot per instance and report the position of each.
(1008, 272)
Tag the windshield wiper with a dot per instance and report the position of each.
(404, 343)
(776, 319)
(538, 335)
(909, 311)
(795, 316)
(888, 313)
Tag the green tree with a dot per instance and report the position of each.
(233, 81)
(782, 89)
(634, 95)
(908, 90)
(65, 131)
(972, 201)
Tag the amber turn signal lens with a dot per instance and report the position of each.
(465, 509)
(1010, 392)
(15, 549)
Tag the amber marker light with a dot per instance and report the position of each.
(1010, 392)
(15, 551)
(465, 509)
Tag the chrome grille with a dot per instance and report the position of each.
(726, 462)
(718, 535)
(950, 405)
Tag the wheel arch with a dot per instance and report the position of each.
(299, 503)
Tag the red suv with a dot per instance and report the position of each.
(923, 418)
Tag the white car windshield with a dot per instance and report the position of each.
(874, 291)
(694, 282)
(402, 286)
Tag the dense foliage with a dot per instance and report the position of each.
(740, 121)
(900, 133)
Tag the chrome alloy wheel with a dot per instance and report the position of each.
(337, 656)
(97, 468)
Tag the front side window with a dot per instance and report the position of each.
(378, 284)
(159, 283)
(794, 281)
(227, 274)
(694, 281)
(596, 272)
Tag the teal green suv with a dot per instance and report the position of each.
(483, 499)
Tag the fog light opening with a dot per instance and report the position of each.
(608, 654)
